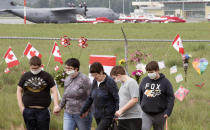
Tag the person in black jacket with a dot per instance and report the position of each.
(156, 98)
(104, 97)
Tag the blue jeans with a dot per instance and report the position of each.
(36, 119)
(73, 121)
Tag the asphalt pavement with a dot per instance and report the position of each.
(12, 20)
(17, 20)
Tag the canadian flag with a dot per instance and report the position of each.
(56, 68)
(107, 61)
(57, 54)
(177, 44)
(30, 51)
(10, 58)
(6, 71)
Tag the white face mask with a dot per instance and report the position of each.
(117, 80)
(70, 73)
(152, 75)
(35, 72)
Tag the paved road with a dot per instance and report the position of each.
(12, 20)
(17, 20)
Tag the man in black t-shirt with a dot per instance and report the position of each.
(33, 95)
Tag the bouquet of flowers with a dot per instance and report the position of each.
(137, 74)
(65, 41)
(60, 78)
(138, 56)
(82, 42)
(141, 67)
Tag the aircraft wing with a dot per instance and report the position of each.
(3, 10)
(71, 10)
(63, 9)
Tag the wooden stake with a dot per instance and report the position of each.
(126, 51)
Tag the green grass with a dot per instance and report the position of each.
(191, 114)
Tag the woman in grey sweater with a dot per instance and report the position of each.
(76, 90)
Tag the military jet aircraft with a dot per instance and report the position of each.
(57, 15)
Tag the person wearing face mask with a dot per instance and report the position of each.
(103, 96)
(129, 113)
(33, 95)
(76, 90)
(156, 98)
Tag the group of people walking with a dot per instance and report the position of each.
(134, 107)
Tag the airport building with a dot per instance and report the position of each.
(184, 9)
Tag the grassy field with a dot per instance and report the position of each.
(191, 114)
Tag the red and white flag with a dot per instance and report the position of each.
(10, 58)
(56, 68)
(6, 71)
(107, 61)
(30, 51)
(177, 44)
(42, 67)
(57, 54)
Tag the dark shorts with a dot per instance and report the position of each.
(36, 119)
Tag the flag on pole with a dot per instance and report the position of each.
(107, 61)
(177, 44)
(57, 54)
(10, 58)
(30, 51)
(6, 71)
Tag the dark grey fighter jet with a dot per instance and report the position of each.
(57, 15)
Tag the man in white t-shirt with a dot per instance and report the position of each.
(129, 113)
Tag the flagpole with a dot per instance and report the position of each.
(23, 71)
(21, 57)
(1, 62)
(50, 56)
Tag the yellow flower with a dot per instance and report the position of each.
(122, 62)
